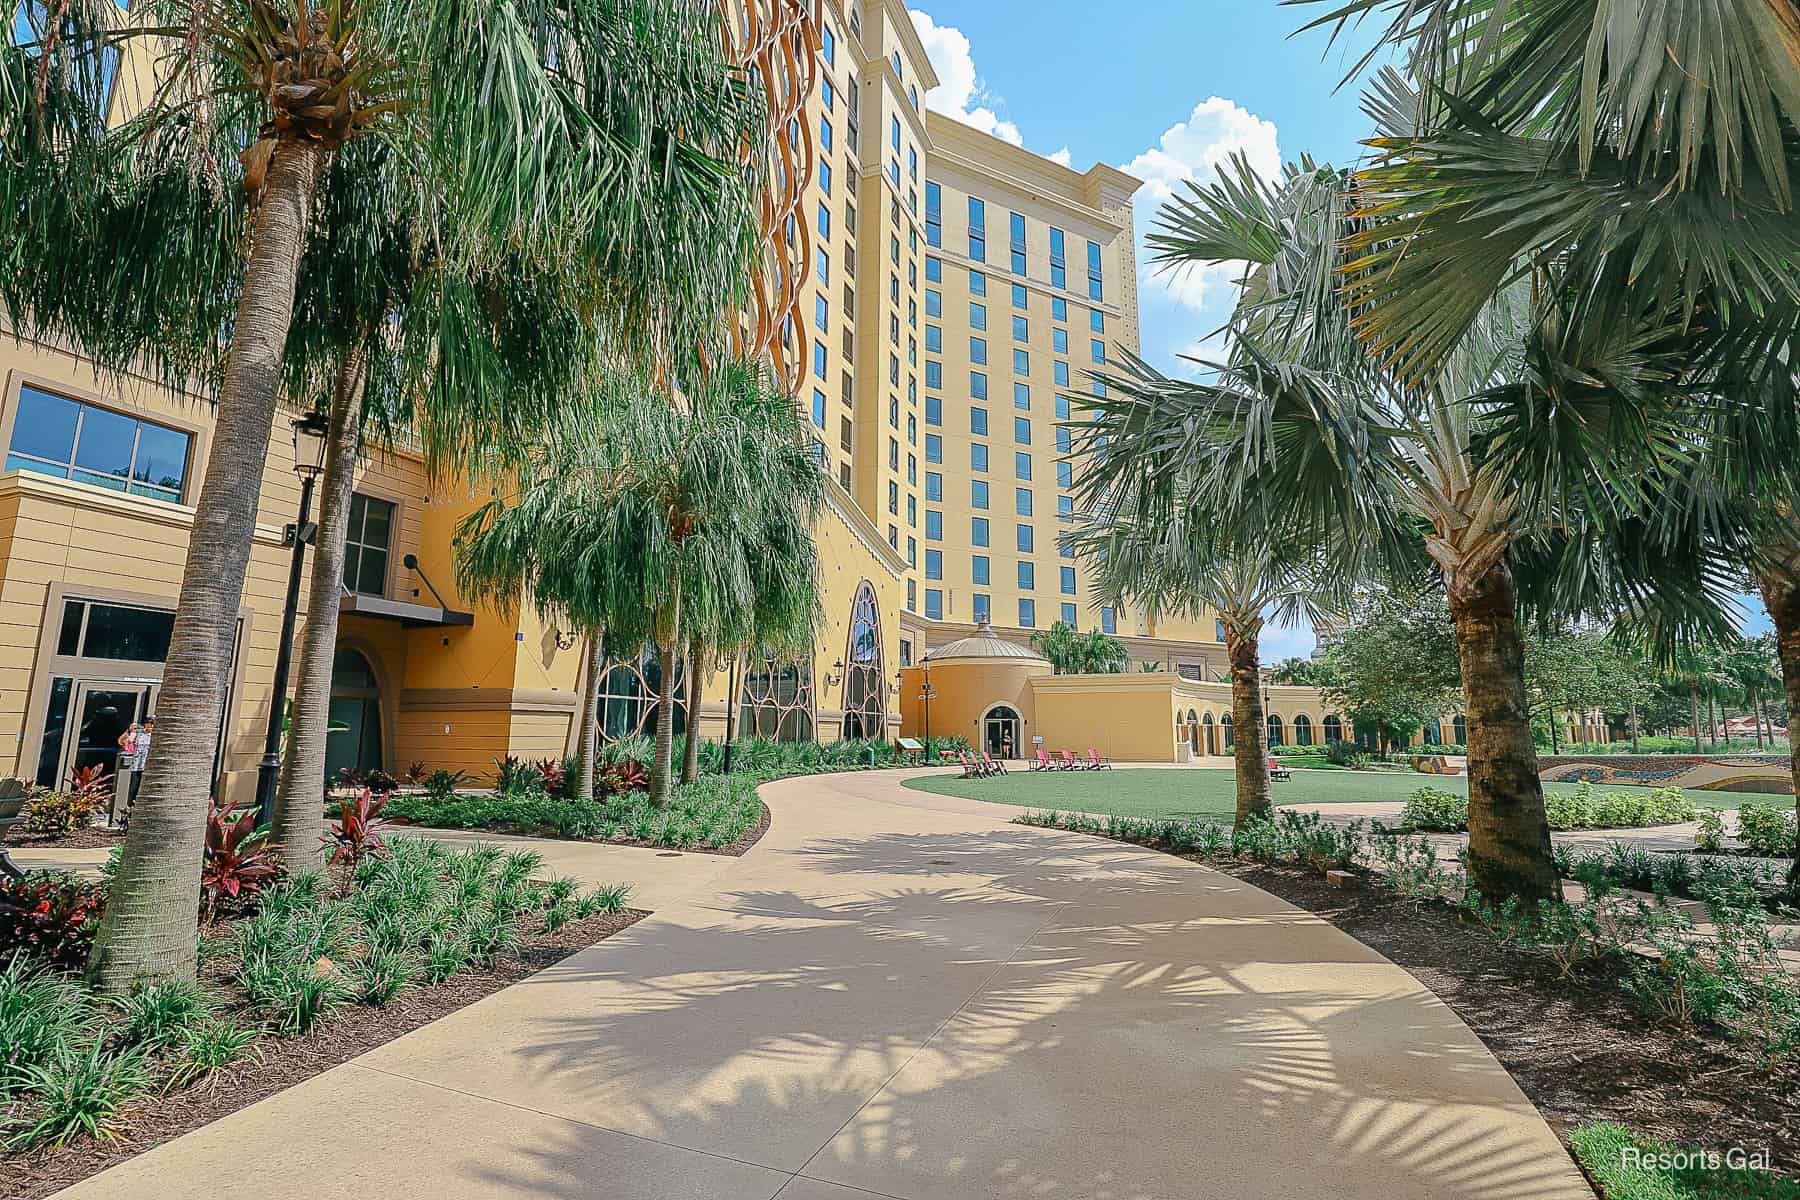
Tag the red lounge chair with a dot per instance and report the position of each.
(1095, 762)
(1043, 761)
(971, 768)
(994, 765)
(1277, 772)
(1068, 761)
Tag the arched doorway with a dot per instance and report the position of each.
(1206, 725)
(1193, 728)
(1334, 730)
(1000, 732)
(865, 686)
(1275, 732)
(354, 738)
(1303, 730)
(1460, 726)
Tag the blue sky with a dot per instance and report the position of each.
(1166, 89)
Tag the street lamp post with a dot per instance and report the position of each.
(925, 694)
(309, 461)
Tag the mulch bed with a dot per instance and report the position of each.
(96, 837)
(1577, 1048)
(274, 1064)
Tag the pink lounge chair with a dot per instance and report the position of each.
(994, 766)
(971, 768)
(1042, 762)
(1277, 772)
(1068, 761)
(1095, 762)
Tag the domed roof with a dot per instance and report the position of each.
(984, 643)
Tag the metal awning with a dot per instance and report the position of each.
(412, 616)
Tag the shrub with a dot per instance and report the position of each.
(625, 775)
(1346, 754)
(50, 915)
(1710, 838)
(359, 827)
(80, 1093)
(1767, 829)
(604, 899)
(237, 862)
(42, 1015)
(210, 1046)
(382, 973)
(442, 784)
(555, 774)
(514, 776)
(157, 1014)
(1435, 809)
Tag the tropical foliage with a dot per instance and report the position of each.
(1073, 653)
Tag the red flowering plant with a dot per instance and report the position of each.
(238, 862)
(50, 915)
(626, 775)
(358, 832)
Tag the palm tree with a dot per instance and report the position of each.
(509, 116)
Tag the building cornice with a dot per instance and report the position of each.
(847, 510)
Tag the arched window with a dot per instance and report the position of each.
(777, 700)
(1275, 732)
(1434, 734)
(628, 696)
(354, 742)
(1230, 738)
(1460, 727)
(865, 686)
(1303, 730)
(1206, 723)
(1334, 730)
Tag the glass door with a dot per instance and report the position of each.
(100, 715)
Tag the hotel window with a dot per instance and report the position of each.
(978, 351)
(1027, 576)
(977, 283)
(912, 595)
(934, 407)
(977, 230)
(1068, 615)
(894, 133)
(893, 498)
(978, 456)
(827, 95)
(1062, 414)
(1068, 581)
(1021, 329)
(1064, 550)
(1022, 466)
(818, 408)
(1064, 441)
(912, 166)
(934, 525)
(978, 386)
(934, 303)
(821, 314)
(819, 359)
(830, 46)
(978, 420)
(934, 603)
(1097, 320)
(934, 564)
(912, 424)
(934, 374)
(1025, 541)
(1065, 508)
(1022, 501)
(934, 485)
(934, 269)
(1059, 341)
(897, 71)
(1027, 614)
(912, 551)
(1017, 243)
(984, 607)
(912, 92)
(1021, 362)
(978, 316)
(1065, 474)
(978, 493)
(366, 545)
(894, 369)
(894, 290)
(893, 454)
(1022, 430)
(978, 569)
(825, 178)
(1059, 273)
(54, 435)
(1095, 291)
(894, 249)
(1059, 309)
(934, 448)
(978, 531)
(1097, 350)
(824, 267)
(825, 130)
(1061, 370)
(934, 339)
(844, 434)
(1108, 624)
(1218, 630)
(824, 220)
(912, 470)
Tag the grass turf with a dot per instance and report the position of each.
(1206, 793)
(1625, 1167)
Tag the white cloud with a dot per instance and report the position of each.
(960, 92)
(1063, 157)
(1193, 151)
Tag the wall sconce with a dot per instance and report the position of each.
(837, 674)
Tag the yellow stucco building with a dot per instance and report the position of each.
(955, 288)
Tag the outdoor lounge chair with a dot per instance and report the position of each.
(1042, 761)
(971, 768)
(1068, 761)
(1277, 772)
(995, 766)
(1095, 762)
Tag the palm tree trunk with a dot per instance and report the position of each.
(154, 904)
(1712, 722)
(690, 750)
(1634, 721)
(1254, 798)
(587, 734)
(299, 821)
(1756, 718)
(1555, 733)
(1509, 838)
(1781, 596)
(1694, 714)
(668, 630)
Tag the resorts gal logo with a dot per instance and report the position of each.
(1737, 1158)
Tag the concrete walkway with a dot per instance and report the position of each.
(898, 994)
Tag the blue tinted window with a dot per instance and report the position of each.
(978, 531)
(934, 604)
(978, 569)
(934, 525)
(54, 435)
(934, 564)
(1027, 614)
(978, 420)
(934, 448)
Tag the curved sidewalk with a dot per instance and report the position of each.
(898, 994)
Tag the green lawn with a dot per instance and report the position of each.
(1203, 792)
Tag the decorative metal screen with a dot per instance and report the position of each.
(865, 681)
(777, 700)
(628, 697)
